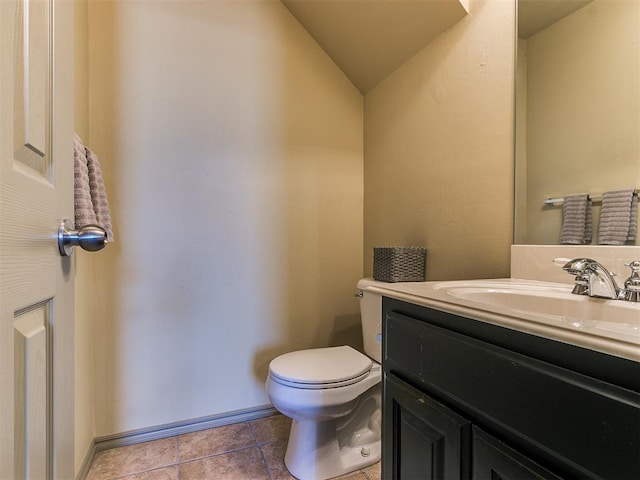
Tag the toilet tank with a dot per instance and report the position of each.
(371, 315)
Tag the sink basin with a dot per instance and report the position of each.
(550, 302)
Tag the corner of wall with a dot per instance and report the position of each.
(83, 263)
(439, 149)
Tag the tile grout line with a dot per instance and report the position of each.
(179, 462)
(266, 464)
(235, 450)
(264, 458)
(260, 445)
(143, 472)
(154, 468)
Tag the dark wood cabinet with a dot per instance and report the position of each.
(464, 399)
(427, 439)
(493, 460)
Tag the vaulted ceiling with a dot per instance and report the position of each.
(369, 39)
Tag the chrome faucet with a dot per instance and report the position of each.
(632, 285)
(593, 279)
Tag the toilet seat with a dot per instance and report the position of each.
(319, 368)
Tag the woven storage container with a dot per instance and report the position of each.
(399, 264)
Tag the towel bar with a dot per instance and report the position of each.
(557, 201)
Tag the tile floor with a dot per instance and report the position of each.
(244, 451)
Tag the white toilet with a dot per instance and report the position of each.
(333, 396)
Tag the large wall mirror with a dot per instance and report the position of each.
(577, 108)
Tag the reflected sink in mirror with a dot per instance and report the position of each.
(546, 302)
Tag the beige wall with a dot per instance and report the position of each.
(439, 149)
(85, 281)
(583, 110)
(232, 148)
(233, 153)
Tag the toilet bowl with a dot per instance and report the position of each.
(333, 396)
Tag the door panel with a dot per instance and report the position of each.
(32, 86)
(36, 284)
(32, 392)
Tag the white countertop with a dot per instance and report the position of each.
(612, 336)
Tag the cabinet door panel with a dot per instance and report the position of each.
(493, 460)
(422, 438)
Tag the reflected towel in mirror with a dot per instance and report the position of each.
(618, 217)
(576, 220)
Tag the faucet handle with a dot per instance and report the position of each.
(632, 284)
(634, 266)
(560, 261)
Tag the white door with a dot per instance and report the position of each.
(36, 283)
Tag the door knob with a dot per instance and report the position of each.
(90, 238)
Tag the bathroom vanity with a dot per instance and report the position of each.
(467, 399)
(468, 393)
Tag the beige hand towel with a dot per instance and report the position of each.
(616, 222)
(633, 221)
(84, 214)
(576, 220)
(90, 196)
(99, 194)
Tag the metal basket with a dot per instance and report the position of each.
(399, 264)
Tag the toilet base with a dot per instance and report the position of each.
(327, 449)
(308, 460)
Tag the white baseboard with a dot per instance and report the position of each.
(86, 463)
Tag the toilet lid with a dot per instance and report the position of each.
(320, 367)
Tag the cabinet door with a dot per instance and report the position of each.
(422, 438)
(493, 460)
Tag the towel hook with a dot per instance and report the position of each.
(90, 238)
